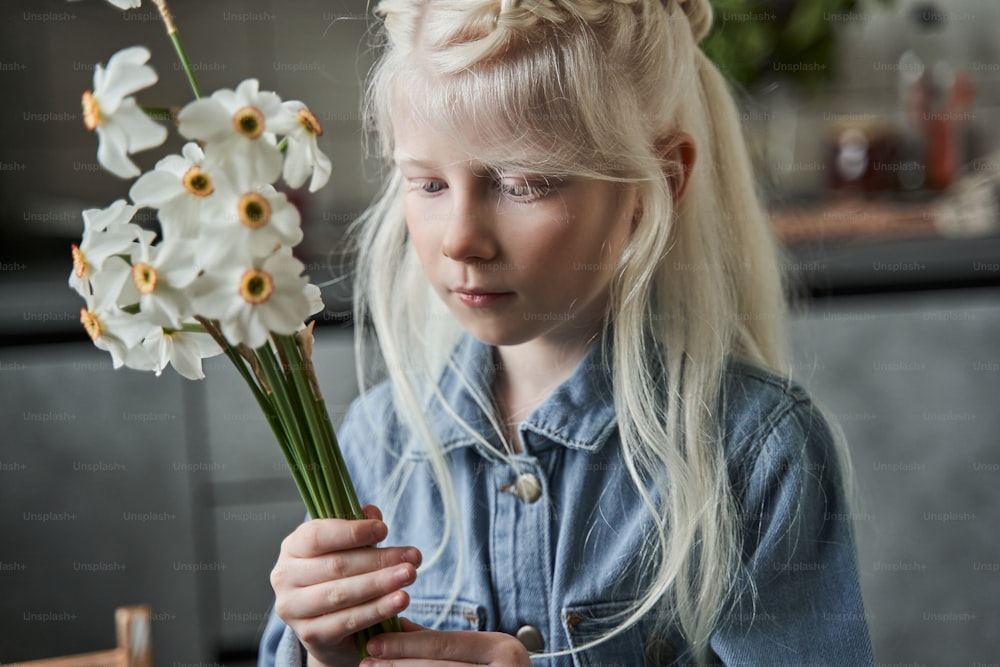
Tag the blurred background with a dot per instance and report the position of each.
(874, 130)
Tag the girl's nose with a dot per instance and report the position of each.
(468, 230)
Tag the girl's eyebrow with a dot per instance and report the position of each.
(406, 159)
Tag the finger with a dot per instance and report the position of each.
(423, 644)
(340, 565)
(332, 596)
(415, 662)
(323, 536)
(346, 622)
(410, 626)
(372, 512)
(440, 647)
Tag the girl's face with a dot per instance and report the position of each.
(515, 256)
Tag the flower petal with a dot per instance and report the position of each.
(119, 213)
(105, 244)
(246, 92)
(133, 55)
(284, 313)
(322, 170)
(315, 297)
(112, 145)
(192, 153)
(140, 358)
(187, 351)
(286, 221)
(155, 188)
(184, 357)
(141, 131)
(297, 163)
(176, 164)
(204, 119)
(253, 162)
(126, 73)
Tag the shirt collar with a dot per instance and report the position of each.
(578, 414)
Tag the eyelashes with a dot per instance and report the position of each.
(427, 186)
(523, 189)
(514, 188)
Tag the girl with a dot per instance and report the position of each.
(586, 448)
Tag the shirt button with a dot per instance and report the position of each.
(527, 487)
(531, 638)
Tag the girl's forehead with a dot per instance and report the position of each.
(502, 126)
(481, 141)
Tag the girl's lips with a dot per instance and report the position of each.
(480, 299)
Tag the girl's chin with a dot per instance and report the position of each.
(498, 332)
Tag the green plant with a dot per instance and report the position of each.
(754, 41)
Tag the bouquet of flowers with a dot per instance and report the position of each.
(222, 278)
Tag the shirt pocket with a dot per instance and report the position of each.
(462, 614)
(584, 623)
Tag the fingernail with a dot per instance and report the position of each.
(402, 574)
(374, 648)
(412, 556)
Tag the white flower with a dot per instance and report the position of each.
(111, 328)
(236, 128)
(122, 127)
(253, 301)
(183, 349)
(315, 299)
(247, 223)
(106, 232)
(159, 275)
(303, 156)
(179, 187)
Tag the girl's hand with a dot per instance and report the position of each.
(418, 646)
(329, 583)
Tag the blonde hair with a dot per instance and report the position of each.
(593, 89)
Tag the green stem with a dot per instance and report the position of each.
(168, 23)
(351, 496)
(334, 476)
(325, 441)
(306, 445)
(286, 411)
(266, 405)
(274, 422)
(186, 64)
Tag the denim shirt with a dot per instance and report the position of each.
(562, 564)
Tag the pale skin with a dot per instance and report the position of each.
(549, 250)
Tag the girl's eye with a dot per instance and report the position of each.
(522, 190)
(427, 186)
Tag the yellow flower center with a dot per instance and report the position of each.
(144, 277)
(90, 323)
(249, 122)
(198, 182)
(91, 111)
(308, 120)
(79, 262)
(256, 286)
(255, 210)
